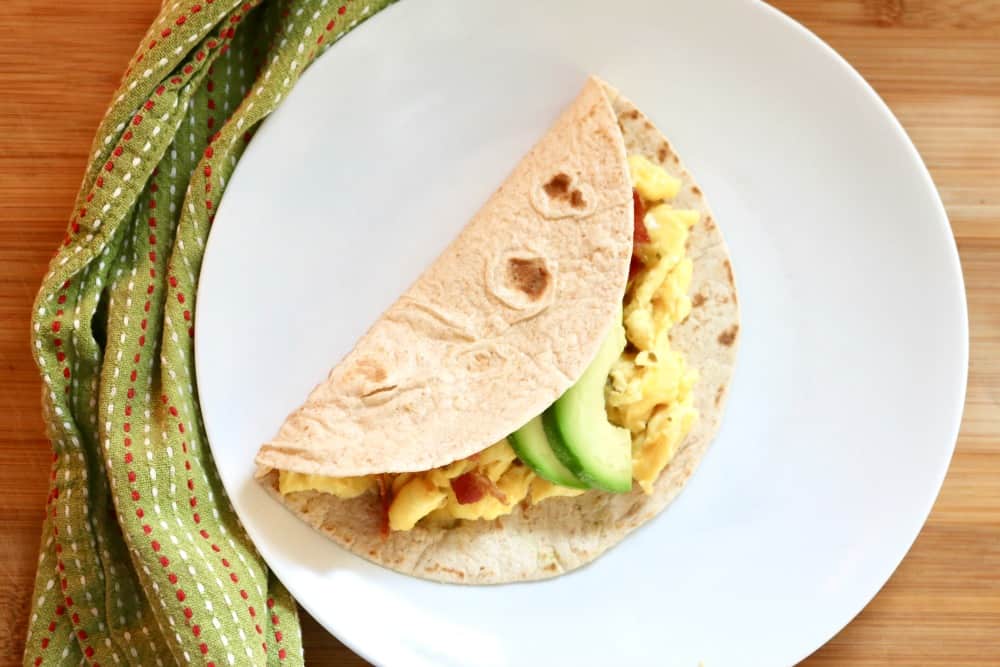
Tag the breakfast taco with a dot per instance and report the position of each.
(546, 386)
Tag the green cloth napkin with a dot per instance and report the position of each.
(143, 560)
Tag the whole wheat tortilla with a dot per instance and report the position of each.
(561, 534)
(508, 317)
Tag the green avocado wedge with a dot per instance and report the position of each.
(532, 446)
(577, 427)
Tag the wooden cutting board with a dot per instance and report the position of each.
(937, 64)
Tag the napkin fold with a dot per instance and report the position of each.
(142, 559)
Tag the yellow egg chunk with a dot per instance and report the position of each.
(442, 476)
(496, 460)
(673, 293)
(640, 327)
(399, 481)
(660, 385)
(418, 498)
(342, 487)
(667, 428)
(651, 181)
(668, 230)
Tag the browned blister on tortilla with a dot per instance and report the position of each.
(558, 534)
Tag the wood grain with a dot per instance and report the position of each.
(936, 63)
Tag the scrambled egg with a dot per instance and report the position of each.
(430, 495)
(649, 390)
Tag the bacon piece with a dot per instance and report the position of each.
(472, 486)
(639, 235)
(467, 488)
(634, 267)
(385, 495)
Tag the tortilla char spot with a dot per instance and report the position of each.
(528, 275)
(606, 135)
(454, 572)
(480, 361)
(729, 271)
(551, 567)
(646, 124)
(709, 222)
(663, 152)
(727, 337)
(719, 393)
(695, 190)
(371, 370)
(632, 115)
(558, 186)
(698, 300)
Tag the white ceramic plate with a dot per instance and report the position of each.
(850, 384)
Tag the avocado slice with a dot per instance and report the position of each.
(532, 446)
(577, 426)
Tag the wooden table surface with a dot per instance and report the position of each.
(936, 63)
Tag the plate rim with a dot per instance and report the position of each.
(956, 409)
(955, 266)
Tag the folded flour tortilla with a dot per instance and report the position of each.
(489, 336)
